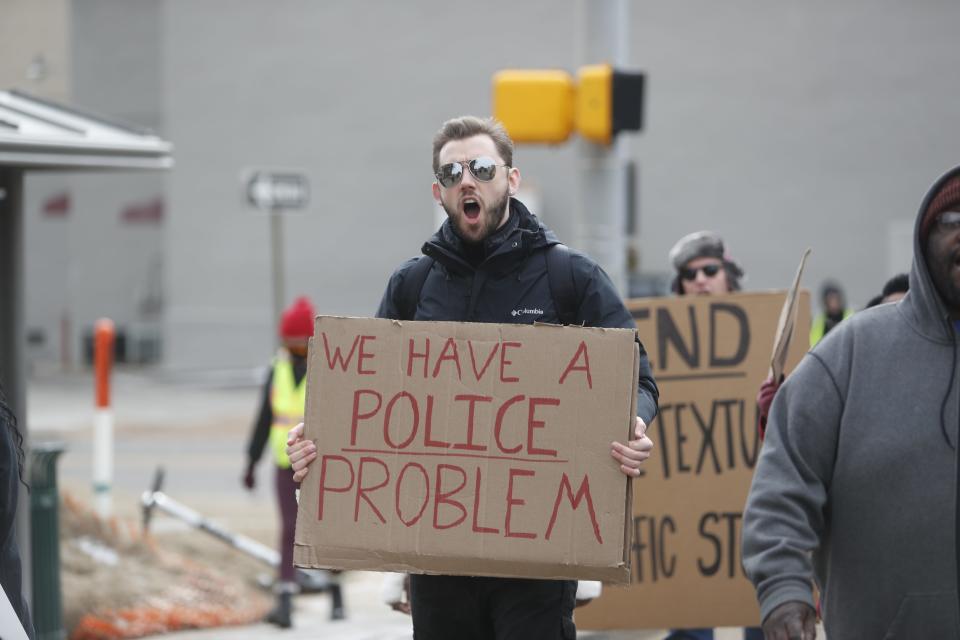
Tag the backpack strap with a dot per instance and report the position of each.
(562, 286)
(409, 290)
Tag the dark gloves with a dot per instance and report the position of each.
(764, 399)
(792, 620)
(249, 480)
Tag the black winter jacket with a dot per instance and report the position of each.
(11, 574)
(510, 285)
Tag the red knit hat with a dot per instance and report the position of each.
(297, 320)
(947, 198)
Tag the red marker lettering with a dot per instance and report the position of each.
(507, 531)
(486, 363)
(357, 416)
(389, 412)
(476, 508)
(469, 445)
(498, 426)
(585, 367)
(412, 355)
(323, 480)
(504, 362)
(362, 491)
(441, 497)
(582, 494)
(450, 353)
(426, 492)
(364, 355)
(533, 423)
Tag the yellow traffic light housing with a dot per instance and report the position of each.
(545, 105)
(534, 105)
(594, 115)
(608, 102)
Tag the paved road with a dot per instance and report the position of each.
(196, 428)
(367, 620)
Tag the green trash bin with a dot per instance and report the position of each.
(45, 541)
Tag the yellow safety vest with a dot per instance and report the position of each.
(820, 323)
(287, 402)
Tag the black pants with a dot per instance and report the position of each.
(287, 501)
(467, 607)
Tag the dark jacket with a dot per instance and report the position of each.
(11, 576)
(856, 485)
(506, 281)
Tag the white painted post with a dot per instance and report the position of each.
(103, 418)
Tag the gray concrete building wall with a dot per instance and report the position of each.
(35, 47)
(92, 240)
(781, 127)
(102, 256)
(90, 261)
(815, 124)
(349, 93)
(116, 49)
(35, 58)
(116, 241)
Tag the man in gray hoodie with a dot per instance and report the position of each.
(856, 485)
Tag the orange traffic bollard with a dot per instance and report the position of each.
(103, 416)
(103, 334)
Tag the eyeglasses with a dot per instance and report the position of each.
(949, 220)
(482, 168)
(709, 270)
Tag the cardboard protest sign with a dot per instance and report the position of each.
(788, 317)
(463, 448)
(709, 356)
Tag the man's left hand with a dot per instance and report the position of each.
(632, 454)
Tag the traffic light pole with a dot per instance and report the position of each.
(601, 218)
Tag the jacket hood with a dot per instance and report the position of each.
(522, 234)
(923, 305)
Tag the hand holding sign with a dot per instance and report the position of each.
(301, 452)
(631, 455)
(792, 619)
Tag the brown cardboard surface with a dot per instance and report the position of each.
(476, 449)
(788, 316)
(709, 356)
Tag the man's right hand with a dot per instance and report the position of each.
(792, 620)
(764, 399)
(301, 452)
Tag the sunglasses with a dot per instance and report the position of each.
(949, 220)
(482, 168)
(709, 270)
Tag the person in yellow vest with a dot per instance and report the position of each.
(284, 397)
(833, 311)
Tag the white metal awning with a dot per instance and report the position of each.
(38, 134)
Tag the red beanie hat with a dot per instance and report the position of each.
(297, 320)
(947, 198)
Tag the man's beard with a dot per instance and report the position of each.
(490, 224)
(941, 266)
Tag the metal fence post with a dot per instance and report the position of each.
(45, 548)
